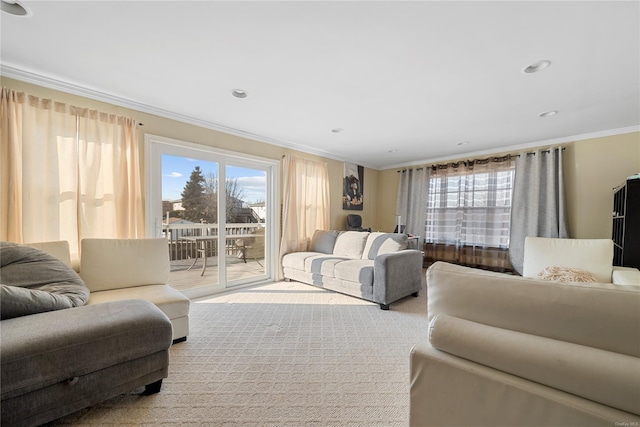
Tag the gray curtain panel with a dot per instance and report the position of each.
(538, 203)
(411, 204)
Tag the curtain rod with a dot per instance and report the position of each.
(435, 165)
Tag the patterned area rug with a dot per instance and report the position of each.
(283, 354)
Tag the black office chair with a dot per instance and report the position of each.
(354, 223)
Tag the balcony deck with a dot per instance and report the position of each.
(182, 279)
(188, 241)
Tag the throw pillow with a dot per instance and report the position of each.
(384, 243)
(33, 281)
(323, 241)
(566, 274)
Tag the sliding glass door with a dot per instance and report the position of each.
(246, 222)
(216, 210)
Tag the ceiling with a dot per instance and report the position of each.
(406, 82)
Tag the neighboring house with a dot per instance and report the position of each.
(170, 206)
(177, 232)
(177, 205)
(177, 221)
(259, 210)
(240, 212)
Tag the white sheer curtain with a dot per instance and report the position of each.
(411, 206)
(470, 203)
(305, 202)
(67, 173)
(109, 176)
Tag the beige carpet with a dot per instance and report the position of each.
(284, 354)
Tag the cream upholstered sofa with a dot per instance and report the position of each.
(506, 350)
(376, 266)
(120, 269)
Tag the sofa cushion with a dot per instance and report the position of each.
(34, 281)
(322, 264)
(123, 263)
(171, 301)
(295, 260)
(323, 241)
(350, 244)
(59, 249)
(355, 270)
(47, 348)
(592, 255)
(383, 243)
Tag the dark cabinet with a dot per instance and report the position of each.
(626, 224)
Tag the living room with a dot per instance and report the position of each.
(280, 380)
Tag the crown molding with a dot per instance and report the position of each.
(74, 89)
(63, 86)
(520, 147)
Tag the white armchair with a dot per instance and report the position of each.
(504, 350)
(594, 256)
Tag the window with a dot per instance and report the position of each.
(470, 205)
(68, 173)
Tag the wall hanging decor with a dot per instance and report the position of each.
(353, 192)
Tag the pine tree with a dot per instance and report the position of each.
(211, 197)
(193, 200)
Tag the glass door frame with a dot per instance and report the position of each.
(156, 146)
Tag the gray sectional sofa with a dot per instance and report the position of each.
(374, 266)
(59, 350)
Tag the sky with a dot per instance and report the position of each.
(176, 171)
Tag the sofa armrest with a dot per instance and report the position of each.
(396, 275)
(600, 315)
(625, 276)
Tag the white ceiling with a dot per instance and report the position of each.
(417, 77)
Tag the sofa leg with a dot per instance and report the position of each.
(152, 388)
(177, 340)
(384, 306)
(415, 294)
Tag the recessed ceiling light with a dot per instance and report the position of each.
(14, 8)
(239, 93)
(537, 66)
(548, 113)
(337, 130)
(463, 143)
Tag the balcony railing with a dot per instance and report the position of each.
(180, 249)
